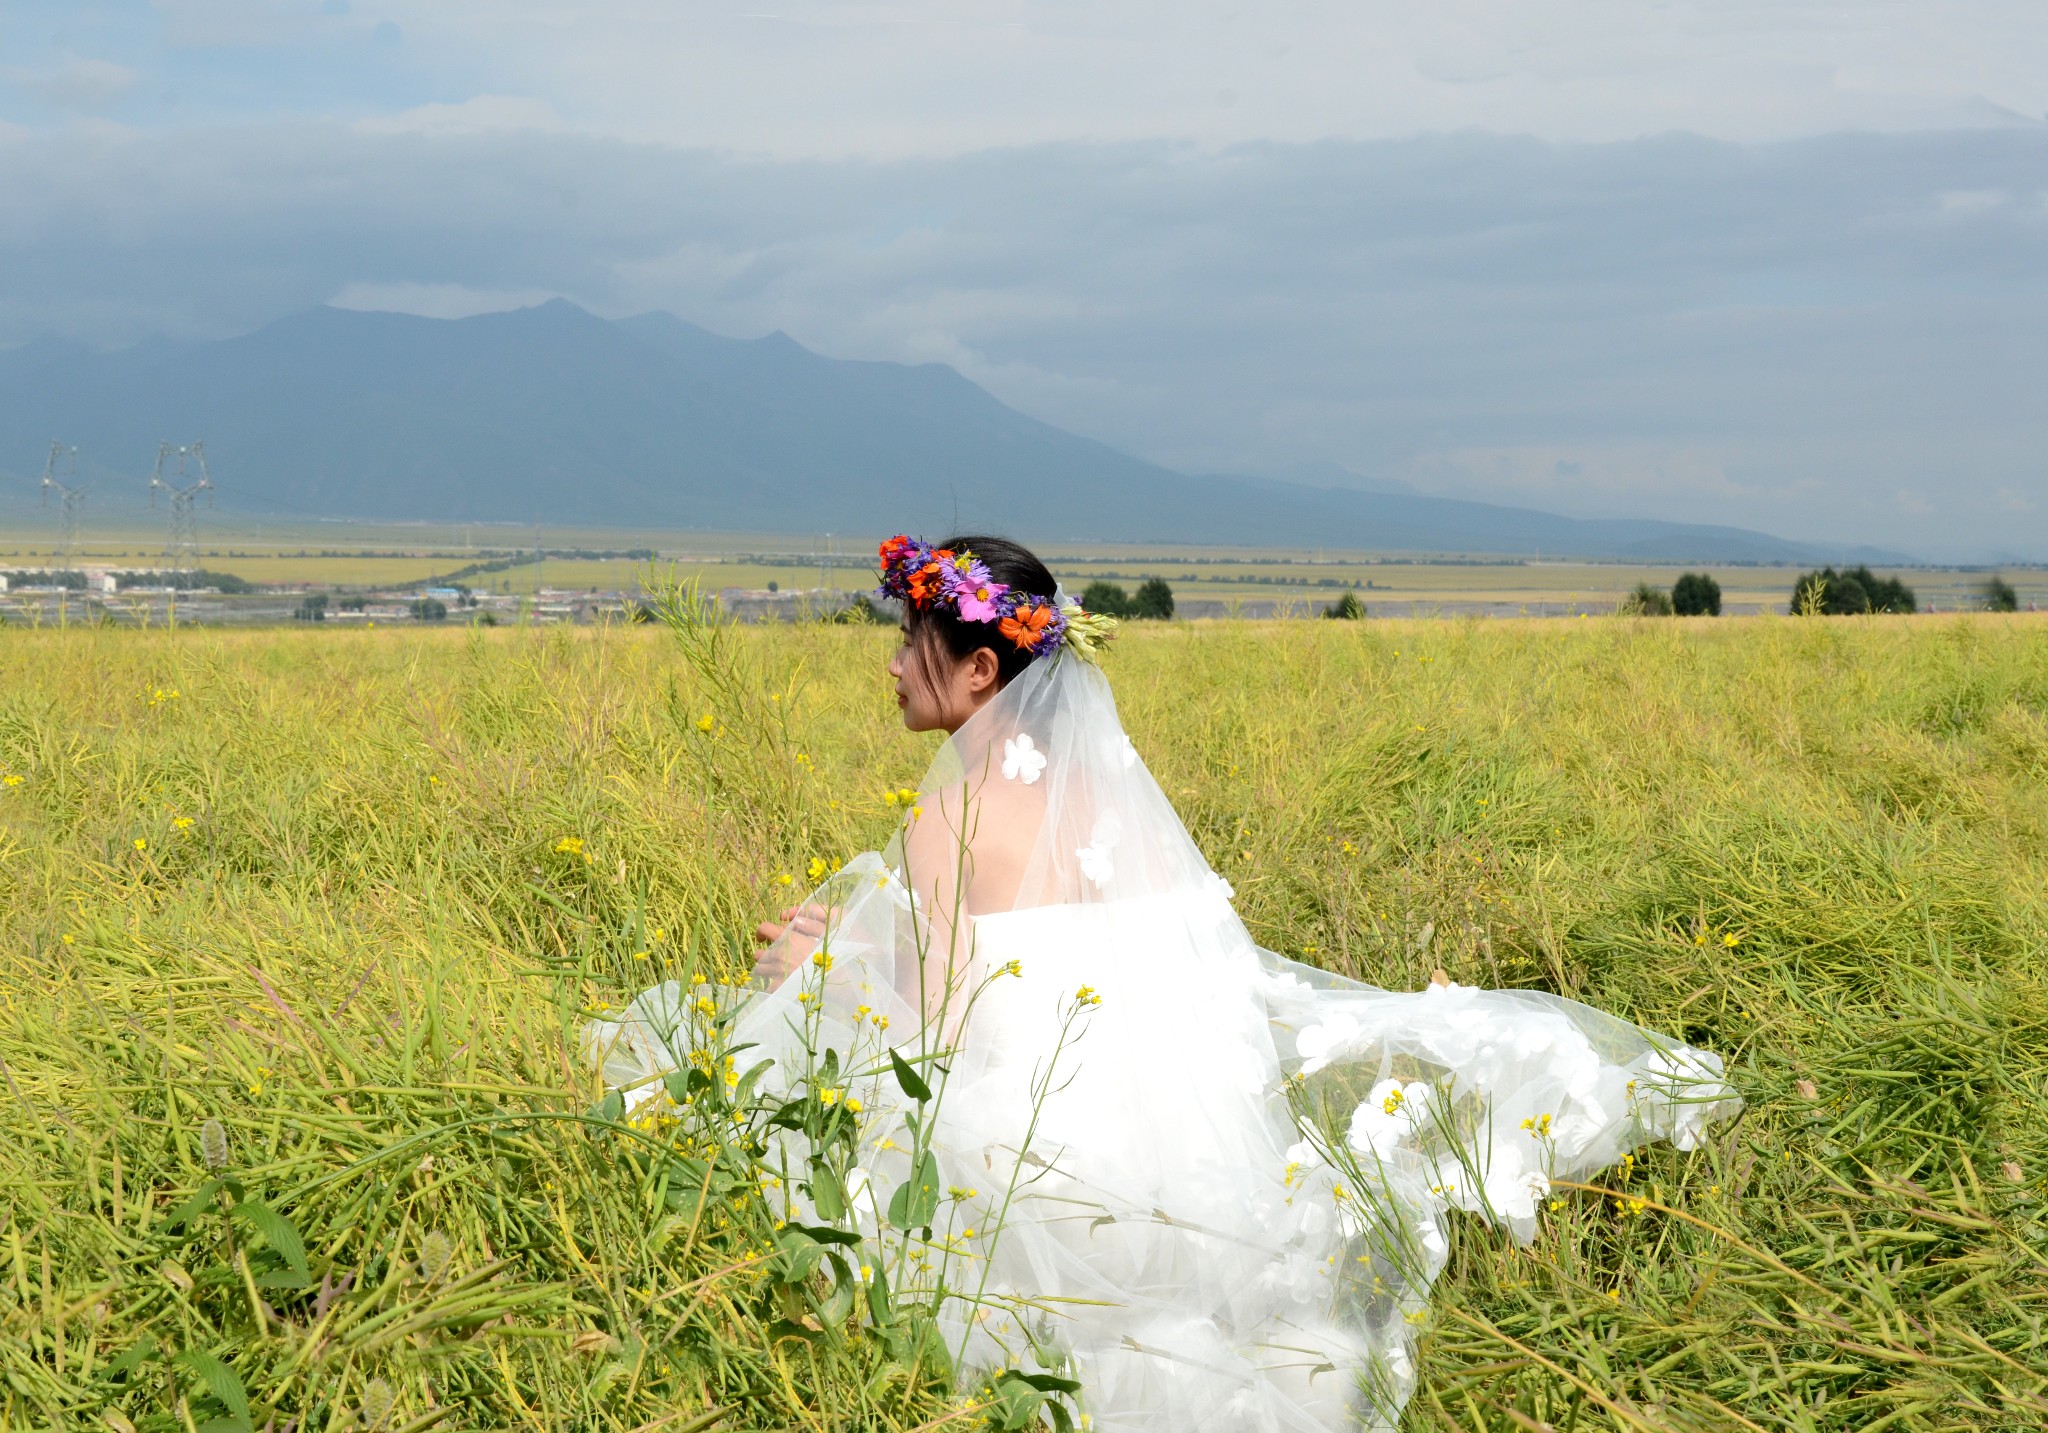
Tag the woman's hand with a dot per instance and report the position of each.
(789, 944)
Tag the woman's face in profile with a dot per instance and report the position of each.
(936, 691)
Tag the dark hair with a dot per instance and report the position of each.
(936, 629)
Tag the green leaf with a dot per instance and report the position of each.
(217, 1379)
(916, 1200)
(796, 1255)
(789, 1116)
(838, 1301)
(824, 1234)
(129, 1358)
(912, 1082)
(826, 1191)
(881, 1310)
(611, 1108)
(201, 1197)
(1045, 1382)
(744, 1091)
(277, 1231)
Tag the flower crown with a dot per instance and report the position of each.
(940, 578)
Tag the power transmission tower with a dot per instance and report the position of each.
(69, 495)
(183, 539)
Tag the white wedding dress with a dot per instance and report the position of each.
(1211, 1183)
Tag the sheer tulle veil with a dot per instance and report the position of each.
(1209, 1181)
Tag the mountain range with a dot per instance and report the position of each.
(554, 414)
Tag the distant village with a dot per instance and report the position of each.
(152, 596)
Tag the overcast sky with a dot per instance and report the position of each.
(1782, 264)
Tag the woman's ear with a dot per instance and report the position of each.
(981, 671)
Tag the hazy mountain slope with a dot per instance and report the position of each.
(556, 415)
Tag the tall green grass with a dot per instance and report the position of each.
(351, 895)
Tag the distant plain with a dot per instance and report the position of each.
(1208, 581)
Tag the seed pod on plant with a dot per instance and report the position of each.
(213, 1144)
(377, 1404)
(436, 1252)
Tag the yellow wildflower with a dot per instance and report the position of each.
(570, 845)
(140, 844)
(183, 823)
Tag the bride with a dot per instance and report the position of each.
(1085, 1109)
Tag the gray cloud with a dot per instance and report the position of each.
(1838, 337)
(79, 84)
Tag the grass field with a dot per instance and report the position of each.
(325, 888)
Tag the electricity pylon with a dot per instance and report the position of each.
(183, 539)
(69, 496)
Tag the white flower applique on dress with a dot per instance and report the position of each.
(1320, 1043)
(1098, 863)
(1022, 759)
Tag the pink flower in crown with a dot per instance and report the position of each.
(974, 590)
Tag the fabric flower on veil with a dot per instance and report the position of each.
(1022, 760)
(1098, 858)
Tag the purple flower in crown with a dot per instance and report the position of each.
(974, 590)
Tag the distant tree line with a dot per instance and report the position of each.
(1824, 593)
(527, 559)
(1695, 594)
(73, 580)
(1153, 601)
(193, 581)
(1848, 593)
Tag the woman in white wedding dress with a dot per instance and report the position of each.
(1209, 1182)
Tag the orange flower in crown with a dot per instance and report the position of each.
(1027, 625)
